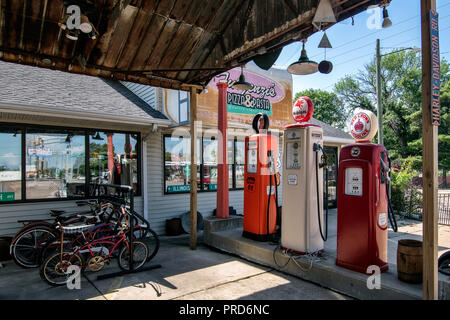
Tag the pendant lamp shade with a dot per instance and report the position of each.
(303, 66)
(241, 84)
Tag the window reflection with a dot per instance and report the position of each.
(10, 165)
(113, 158)
(55, 164)
(177, 168)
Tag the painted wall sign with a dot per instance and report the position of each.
(259, 98)
(271, 94)
(435, 70)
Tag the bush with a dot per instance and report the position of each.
(405, 196)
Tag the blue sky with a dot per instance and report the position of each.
(354, 45)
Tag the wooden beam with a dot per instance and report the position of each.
(429, 164)
(193, 178)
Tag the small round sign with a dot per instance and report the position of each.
(355, 151)
(303, 109)
(363, 126)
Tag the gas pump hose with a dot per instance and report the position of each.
(317, 147)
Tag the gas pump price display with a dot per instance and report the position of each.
(293, 150)
(353, 181)
(252, 157)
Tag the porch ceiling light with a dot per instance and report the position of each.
(85, 24)
(97, 136)
(72, 34)
(241, 84)
(303, 66)
(324, 14)
(386, 21)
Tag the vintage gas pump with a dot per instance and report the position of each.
(302, 224)
(363, 199)
(260, 196)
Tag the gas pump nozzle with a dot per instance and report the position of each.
(324, 159)
(386, 170)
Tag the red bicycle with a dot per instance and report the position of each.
(93, 255)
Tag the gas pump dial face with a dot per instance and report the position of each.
(252, 158)
(293, 155)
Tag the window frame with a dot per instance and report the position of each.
(200, 188)
(24, 127)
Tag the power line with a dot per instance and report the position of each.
(370, 34)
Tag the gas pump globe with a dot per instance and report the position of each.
(302, 215)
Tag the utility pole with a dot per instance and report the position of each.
(379, 102)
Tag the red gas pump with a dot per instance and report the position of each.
(363, 199)
(260, 197)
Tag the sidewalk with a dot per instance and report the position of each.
(227, 236)
(185, 274)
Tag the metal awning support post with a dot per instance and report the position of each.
(429, 162)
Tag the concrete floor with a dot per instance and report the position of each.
(227, 236)
(185, 274)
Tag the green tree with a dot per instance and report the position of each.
(327, 107)
(401, 79)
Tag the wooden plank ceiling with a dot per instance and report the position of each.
(166, 43)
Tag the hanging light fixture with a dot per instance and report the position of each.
(386, 21)
(97, 136)
(324, 14)
(303, 66)
(241, 84)
(72, 34)
(85, 24)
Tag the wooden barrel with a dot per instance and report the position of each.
(410, 260)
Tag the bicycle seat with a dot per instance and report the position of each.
(56, 213)
(76, 229)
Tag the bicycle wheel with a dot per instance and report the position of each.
(26, 248)
(444, 263)
(140, 254)
(55, 270)
(152, 242)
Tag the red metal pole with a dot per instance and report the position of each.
(222, 166)
(110, 156)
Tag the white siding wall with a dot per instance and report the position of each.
(11, 213)
(162, 207)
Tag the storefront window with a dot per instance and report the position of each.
(176, 164)
(50, 163)
(239, 163)
(210, 164)
(10, 165)
(55, 164)
(177, 168)
(113, 158)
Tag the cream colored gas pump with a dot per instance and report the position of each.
(302, 224)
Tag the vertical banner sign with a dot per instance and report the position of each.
(435, 70)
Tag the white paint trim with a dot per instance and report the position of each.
(40, 110)
(337, 140)
(144, 179)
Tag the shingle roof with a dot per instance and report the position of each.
(30, 85)
(329, 131)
